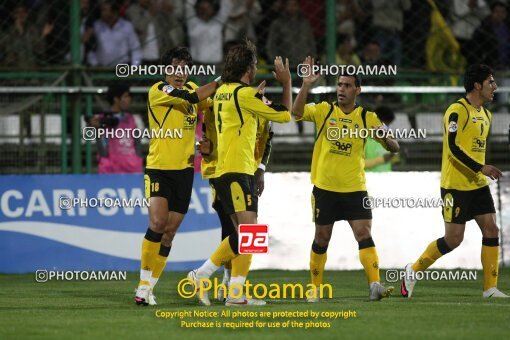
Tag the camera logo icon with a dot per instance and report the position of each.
(89, 133)
(368, 203)
(65, 203)
(392, 275)
(333, 133)
(41, 276)
(122, 70)
(304, 70)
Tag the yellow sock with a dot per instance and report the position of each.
(224, 252)
(370, 261)
(431, 254)
(150, 251)
(490, 259)
(317, 264)
(241, 265)
(160, 261)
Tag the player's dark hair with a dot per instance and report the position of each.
(385, 114)
(357, 78)
(476, 73)
(239, 59)
(180, 53)
(116, 91)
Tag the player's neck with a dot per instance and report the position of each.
(347, 108)
(474, 100)
(245, 79)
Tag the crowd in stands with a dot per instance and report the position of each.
(36, 32)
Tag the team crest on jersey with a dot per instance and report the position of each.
(452, 127)
(332, 122)
(167, 89)
(266, 101)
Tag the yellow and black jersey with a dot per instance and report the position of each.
(173, 113)
(208, 163)
(236, 109)
(338, 161)
(464, 144)
(262, 146)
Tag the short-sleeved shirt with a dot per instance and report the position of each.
(339, 164)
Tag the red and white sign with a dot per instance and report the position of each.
(253, 239)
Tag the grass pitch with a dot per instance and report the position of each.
(106, 310)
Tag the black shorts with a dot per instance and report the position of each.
(174, 185)
(237, 192)
(330, 206)
(466, 204)
(227, 225)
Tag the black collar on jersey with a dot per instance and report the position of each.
(467, 100)
(355, 107)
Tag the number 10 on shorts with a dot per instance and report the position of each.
(253, 239)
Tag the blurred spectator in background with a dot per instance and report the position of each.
(158, 26)
(466, 16)
(54, 14)
(89, 12)
(314, 11)
(290, 36)
(388, 22)
(271, 10)
(348, 13)
(206, 23)
(372, 54)
(23, 44)
(118, 155)
(116, 40)
(377, 159)
(344, 51)
(242, 19)
(491, 40)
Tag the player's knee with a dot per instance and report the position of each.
(454, 240)
(322, 238)
(362, 233)
(491, 230)
(158, 223)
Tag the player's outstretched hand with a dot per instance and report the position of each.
(281, 71)
(306, 72)
(262, 87)
(491, 171)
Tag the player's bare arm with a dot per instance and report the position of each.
(282, 74)
(300, 101)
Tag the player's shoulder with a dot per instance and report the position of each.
(457, 106)
(160, 87)
(190, 86)
(324, 105)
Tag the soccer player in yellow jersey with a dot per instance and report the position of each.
(236, 109)
(172, 109)
(464, 185)
(338, 174)
(208, 166)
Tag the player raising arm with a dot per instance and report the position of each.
(338, 175)
(236, 109)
